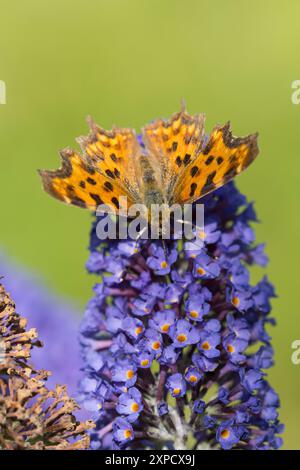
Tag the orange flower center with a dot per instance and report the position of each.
(202, 235)
(205, 345)
(134, 407)
(176, 391)
(181, 338)
(129, 374)
(127, 433)
(138, 330)
(236, 301)
(194, 314)
(164, 264)
(193, 378)
(201, 271)
(144, 362)
(225, 433)
(230, 348)
(156, 345)
(165, 328)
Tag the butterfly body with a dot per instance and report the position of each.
(174, 164)
(151, 192)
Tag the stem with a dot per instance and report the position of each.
(161, 383)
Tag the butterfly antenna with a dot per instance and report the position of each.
(91, 123)
(183, 105)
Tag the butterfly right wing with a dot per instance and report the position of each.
(222, 158)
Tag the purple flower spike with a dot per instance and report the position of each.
(174, 340)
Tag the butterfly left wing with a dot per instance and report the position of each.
(80, 183)
(104, 172)
(114, 153)
(222, 158)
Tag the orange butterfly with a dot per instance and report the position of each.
(176, 164)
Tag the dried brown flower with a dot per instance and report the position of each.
(31, 416)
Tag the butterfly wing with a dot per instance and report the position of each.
(184, 167)
(222, 158)
(104, 172)
(173, 144)
(79, 183)
(114, 153)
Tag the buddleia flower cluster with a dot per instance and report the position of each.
(31, 415)
(175, 341)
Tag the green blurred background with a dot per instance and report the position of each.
(126, 62)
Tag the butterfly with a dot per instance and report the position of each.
(172, 162)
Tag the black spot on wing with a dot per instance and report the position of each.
(115, 201)
(108, 186)
(88, 168)
(96, 198)
(77, 201)
(187, 159)
(110, 174)
(209, 160)
(193, 189)
(91, 181)
(187, 139)
(208, 185)
(194, 171)
(230, 173)
(178, 161)
(208, 147)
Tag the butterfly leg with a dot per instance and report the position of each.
(139, 238)
(165, 248)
